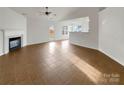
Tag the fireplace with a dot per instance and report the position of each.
(14, 43)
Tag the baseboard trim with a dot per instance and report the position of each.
(84, 46)
(1, 54)
(45, 42)
(111, 57)
(100, 50)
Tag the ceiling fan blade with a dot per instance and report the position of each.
(49, 12)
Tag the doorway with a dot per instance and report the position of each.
(51, 33)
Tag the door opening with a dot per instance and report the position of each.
(51, 33)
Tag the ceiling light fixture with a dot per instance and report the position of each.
(47, 12)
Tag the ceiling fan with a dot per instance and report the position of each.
(47, 12)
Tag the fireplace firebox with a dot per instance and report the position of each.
(14, 43)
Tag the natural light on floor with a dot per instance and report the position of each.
(65, 44)
(94, 74)
(52, 46)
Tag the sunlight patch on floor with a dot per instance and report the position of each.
(52, 46)
(94, 74)
(65, 44)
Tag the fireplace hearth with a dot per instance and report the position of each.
(14, 43)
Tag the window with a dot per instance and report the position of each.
(65, 30)
(77, 25)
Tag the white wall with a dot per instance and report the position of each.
(1, 43)
(37, 28)
(111, 33)
(89, 39)
(10, 20)
(13, 22)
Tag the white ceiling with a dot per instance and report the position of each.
(61, 12)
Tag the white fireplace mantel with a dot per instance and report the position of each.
(10, 34)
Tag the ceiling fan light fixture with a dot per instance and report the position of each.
(47, 12)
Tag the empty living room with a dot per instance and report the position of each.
(61, 45)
